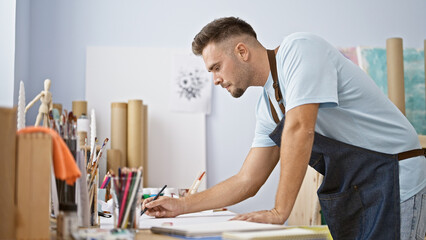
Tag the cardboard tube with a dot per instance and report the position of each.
(395, 65)
(79, 108)
(119, 129)
(114, 160)
(145, 146)
(58, 106)
(7, 172)
(134, 134)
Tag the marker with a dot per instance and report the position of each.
(155, 198)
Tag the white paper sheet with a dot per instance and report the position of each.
(176, 141)
(191, 85)
(146, 222)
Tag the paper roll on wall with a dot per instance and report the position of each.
(395, 65)
(145, 146)
(119, 129)
(114, 160)
(135, 133)
(79, 108)
(7, 172)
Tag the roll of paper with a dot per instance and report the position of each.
(119, 129)
(395, 65)
(114, 160)
(145, 146)
(135, 134)
(79, 108)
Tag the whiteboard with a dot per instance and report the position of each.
(176, 141)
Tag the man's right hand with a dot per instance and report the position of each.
(164, 207)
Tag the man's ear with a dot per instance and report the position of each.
(242, 52)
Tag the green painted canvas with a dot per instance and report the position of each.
(373, 61)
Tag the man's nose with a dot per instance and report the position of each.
(217, 80)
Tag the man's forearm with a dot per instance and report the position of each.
(255, 171)
(228, 192)
(297, 140)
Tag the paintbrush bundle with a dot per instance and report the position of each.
(126, 192)
(92, 169)
(66, 125)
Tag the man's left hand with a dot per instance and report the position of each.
(265, 216)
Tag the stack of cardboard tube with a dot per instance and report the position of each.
(129, 124)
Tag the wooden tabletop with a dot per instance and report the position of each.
(148, 235)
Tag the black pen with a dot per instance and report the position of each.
(155, 198)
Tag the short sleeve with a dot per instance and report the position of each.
(264, 123)
(309, 74)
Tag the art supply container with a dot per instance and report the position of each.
(127, 199)
(67, 221)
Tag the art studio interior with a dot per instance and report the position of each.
(138, 119)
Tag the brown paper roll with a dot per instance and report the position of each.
(145, 146)
(114, 160)
(395, 65)
(58, 106)
(119, 129)
(7, 172)
(135, 134)
(79, 108)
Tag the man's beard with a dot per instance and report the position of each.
(238, 92)
(243, 76)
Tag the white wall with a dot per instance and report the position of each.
(61, 30)
(7, 51)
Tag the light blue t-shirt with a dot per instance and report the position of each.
(352, 108)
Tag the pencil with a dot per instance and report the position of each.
(155, 198)
(132, 198)
(123, 202)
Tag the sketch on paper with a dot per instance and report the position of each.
(191, 85)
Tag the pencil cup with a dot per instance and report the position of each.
(127, 194)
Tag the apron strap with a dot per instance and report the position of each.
(411, 153)
(278, 95)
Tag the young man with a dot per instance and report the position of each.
(317, 108)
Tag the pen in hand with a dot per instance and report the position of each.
(155, 198)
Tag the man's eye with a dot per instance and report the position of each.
(216, 68)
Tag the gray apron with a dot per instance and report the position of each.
(359, 195)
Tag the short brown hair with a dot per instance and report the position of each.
(219, 30)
